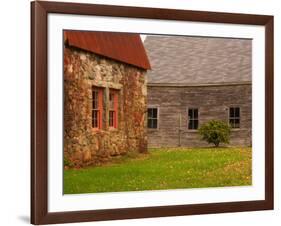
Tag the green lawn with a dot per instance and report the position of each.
(165, 169)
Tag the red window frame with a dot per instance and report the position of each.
(97, 107)
(113, 109)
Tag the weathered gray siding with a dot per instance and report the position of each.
(213, 102)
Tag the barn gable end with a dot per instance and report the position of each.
(101, 119)
(194, 80)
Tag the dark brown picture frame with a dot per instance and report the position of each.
(39, 112)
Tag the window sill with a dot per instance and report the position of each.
(192, 131)
(112, 129)
(235, 129)
(152, 129)
(96, 130)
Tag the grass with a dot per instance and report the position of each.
(165, 169)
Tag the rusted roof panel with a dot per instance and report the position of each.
(124, 47)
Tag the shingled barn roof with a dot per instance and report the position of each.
(124, 47)
(198, 60)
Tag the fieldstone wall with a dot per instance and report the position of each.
(213, 102)
(84, 145)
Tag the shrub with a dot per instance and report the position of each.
(67, 162)
(215, 132)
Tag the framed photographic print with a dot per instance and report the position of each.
(146, 112)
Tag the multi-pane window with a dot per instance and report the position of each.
(97, 108)
(234, 117)
(193, 118)
(152, 118)
(113, 108)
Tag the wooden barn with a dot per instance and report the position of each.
(194, 80)
(105, 96)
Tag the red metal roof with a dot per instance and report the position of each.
(124, 47)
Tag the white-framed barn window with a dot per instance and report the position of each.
(234, 117)
(152, 117)
(193, 119)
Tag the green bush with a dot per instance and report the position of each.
(215, 132)
(66, 162)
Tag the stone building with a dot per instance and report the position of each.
(105, 94)
(194, 80)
